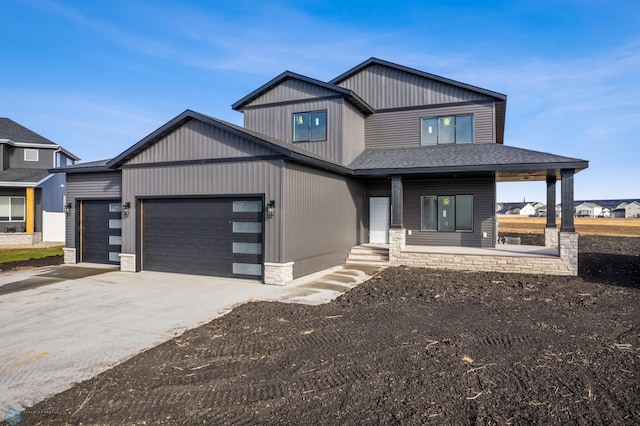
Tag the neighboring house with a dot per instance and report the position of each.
(381, 154)
(588, 210)
(632, 209)
(618, 213)
(523, 209)
(26, 186)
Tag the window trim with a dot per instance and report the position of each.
(437, 197)
(24, 208)
(437, 118)
(309, 113)
(32, 150)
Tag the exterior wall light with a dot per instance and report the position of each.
(271, 208)
(125, 208)
(68, 207)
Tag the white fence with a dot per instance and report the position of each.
(53, 227)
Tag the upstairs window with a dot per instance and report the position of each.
(30, 155)
(446, 130)
(310, 126)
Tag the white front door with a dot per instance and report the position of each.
(379, 220)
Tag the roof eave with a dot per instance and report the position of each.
(577, 166)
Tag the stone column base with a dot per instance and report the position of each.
(551, 237)
(568, 247)
(127, 262)
(278, 273)
(69, 255)
(397, 243)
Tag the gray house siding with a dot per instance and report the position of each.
(277, 122)
(483, 191)
(196, 140)
(85, 186)
(236, 178)
(384, 88)
(353, 133)
(53, 192)
(291, 90)
(321, 213)
(45, 159)
(401, 129)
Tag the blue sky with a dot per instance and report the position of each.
(97, 76)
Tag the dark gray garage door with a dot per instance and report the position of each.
(204, 236)
(100, 231)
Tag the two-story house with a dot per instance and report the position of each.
(26, 186)
(382, 154)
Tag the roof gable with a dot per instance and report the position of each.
(291, 87)
(18, 135)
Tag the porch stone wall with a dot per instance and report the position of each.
(551, 237)
(127, 262)
(397, 244)
(20, 239)
(278, 273)
(565, 264)
(69, 255)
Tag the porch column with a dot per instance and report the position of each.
(551, 201)
(396, 202)
(30, 210)
(551, 230)
(566, 224)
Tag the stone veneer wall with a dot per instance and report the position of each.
(551, 237)
(565, 264)
(278, 273)
(69, 255)
(20, 239)
(127, 262)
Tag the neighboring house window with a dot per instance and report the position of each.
(450, 129)
(11, 209)
(447, 213)
(310, 126)
(30, 155)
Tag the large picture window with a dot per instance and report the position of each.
(310, 126)
(447, 213)
(12, 209)
(446, 130)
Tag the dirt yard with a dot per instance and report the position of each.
(409, 346)
(629, 227)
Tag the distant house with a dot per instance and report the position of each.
(618, 213)
(588, 210)
(26, 186)
(632, 209)
(522, 209)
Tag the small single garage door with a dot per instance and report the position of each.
(100, 231)
(203, 236)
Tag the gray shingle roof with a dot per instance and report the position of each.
(15, 132)
(452, 158)
(89, 166)
(23, 175)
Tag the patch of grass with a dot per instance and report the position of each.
(26, 253)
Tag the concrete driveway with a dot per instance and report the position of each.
(62, 325)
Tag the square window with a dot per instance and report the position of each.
(447, 213)
(30, 154)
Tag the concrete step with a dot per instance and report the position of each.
(368, 262)
(369, 256)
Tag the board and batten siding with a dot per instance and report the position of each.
(402, 129)
(196, 140)
(353, 133)
(277, 122)
(321, 218)
(89, 186)
(384, 88)
(219, 179)
(483, 191)
(291, 90)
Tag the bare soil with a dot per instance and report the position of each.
(409, 346)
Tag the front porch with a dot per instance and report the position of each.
(561, 259)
